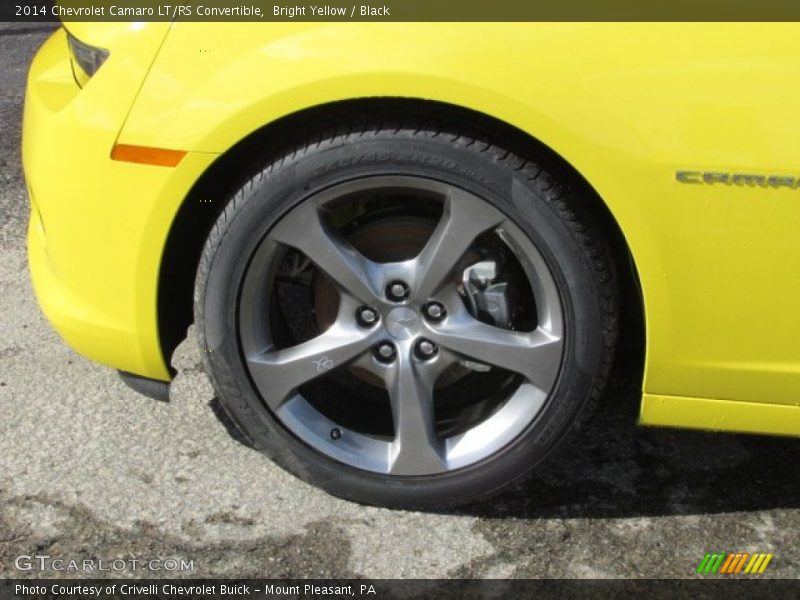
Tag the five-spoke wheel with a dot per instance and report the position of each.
(407, 322)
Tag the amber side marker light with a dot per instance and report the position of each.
(147, 156)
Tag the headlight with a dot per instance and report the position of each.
(86, 59)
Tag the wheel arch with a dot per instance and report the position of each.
(202, 206)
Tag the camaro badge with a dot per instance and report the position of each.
(739, 179)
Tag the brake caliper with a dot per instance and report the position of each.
(487, 299)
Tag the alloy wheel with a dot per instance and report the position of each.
(475, 309)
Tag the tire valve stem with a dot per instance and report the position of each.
(335, 433)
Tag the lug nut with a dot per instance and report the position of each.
(366, 316)
(397, 291)
(385, 352)
(435, 311)
(426, 349)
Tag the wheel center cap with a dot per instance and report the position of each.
(401, 322)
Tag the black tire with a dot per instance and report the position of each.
(542, 205)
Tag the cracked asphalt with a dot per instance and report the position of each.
(90, 469)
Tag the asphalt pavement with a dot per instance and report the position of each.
(89, 469)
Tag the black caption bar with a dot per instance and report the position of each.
(383, 589)
(400, 10)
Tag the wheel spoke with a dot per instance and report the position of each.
(535, 355)
(277, 373)
(465, 218)
(416, 449)
(306, 229)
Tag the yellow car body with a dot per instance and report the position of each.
(688, 132)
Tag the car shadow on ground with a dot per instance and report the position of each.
(614, 468)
